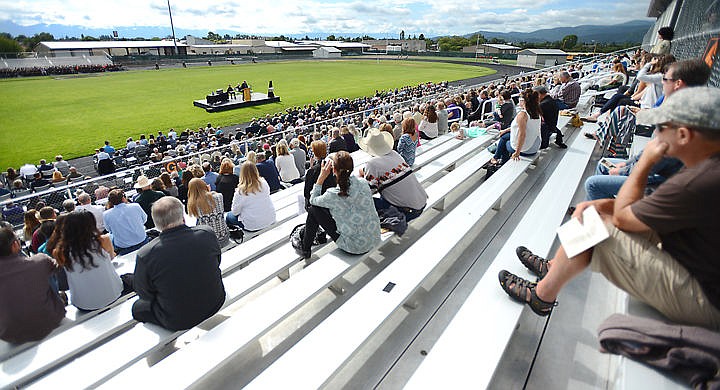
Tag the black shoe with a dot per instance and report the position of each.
(560, 145)
(304, 253)
(320, 238)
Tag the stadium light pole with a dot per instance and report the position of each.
(172, 28)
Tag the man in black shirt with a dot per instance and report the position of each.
(550, 111)
(177, 275)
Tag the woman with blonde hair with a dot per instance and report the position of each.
(251, 156)
(207, 207)
(31, 223)
(252, 209)
(285, 164)
(57, 177)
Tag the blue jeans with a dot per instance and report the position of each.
(561, 104)
(232, 220)
(504, 150)
(123, 251)
(410, 214)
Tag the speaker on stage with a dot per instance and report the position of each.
(271, 90)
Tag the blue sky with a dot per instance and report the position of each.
(330, 16)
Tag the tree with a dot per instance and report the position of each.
(9, 45)
(569, 41)
(211, 36)
(421, 37)
(402, 35)
(330, 37)
(454, 43)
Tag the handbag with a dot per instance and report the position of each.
(296, 236)
(236, 234)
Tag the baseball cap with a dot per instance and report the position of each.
(693, 107)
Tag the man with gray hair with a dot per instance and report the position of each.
(177, 275)
(678, 278)
(567, 93)
(96, 210)
(68, 206)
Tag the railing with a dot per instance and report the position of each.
(125, 178)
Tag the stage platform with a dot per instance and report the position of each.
(237, 102)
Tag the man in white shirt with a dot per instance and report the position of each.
(96, 210)
(28, 170)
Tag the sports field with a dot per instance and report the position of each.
(44, 116)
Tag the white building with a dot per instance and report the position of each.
(540, 58)
(327, 52)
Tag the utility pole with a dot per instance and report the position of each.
(172, 28)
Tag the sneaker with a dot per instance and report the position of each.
(560, 144)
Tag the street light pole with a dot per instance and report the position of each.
(172, 27)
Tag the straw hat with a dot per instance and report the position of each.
(142, 182)
(376, 142)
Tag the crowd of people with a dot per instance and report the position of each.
(57, 70)
(231, 191)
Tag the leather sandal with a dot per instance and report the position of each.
(517, 288)
(532, 262)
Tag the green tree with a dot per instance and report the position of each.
(9, 45)
(569, 41)
(421, 37)
(211, 36)
(402, 35)
(330, 37)
(454, 43)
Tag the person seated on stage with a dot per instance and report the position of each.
(177, 276)
(230, 91)
(680, 215)
(29, 307)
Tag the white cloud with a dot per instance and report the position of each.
(305, 16)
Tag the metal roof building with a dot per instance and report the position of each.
(112, 48)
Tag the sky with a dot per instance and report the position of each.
(446, 17)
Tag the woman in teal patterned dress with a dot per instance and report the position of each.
(346, 212)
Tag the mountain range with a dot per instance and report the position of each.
(632, 31)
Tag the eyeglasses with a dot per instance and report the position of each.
(666, 79)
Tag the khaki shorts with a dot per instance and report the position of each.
(634, 263)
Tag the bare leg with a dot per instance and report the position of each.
(561, 272)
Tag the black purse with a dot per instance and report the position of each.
(296, 236)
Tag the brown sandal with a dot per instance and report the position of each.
(534, 263)
(517, 288)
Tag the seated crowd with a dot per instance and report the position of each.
(351, 208)
(55, 70)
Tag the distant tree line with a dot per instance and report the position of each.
(571, 43)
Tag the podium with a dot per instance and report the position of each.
(246, 94)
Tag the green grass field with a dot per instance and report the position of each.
(44, 116)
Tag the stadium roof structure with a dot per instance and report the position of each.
(544, 52)
(67, 45)
(337, 44)
(223, 46)
(330, 49)
(501, 46)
